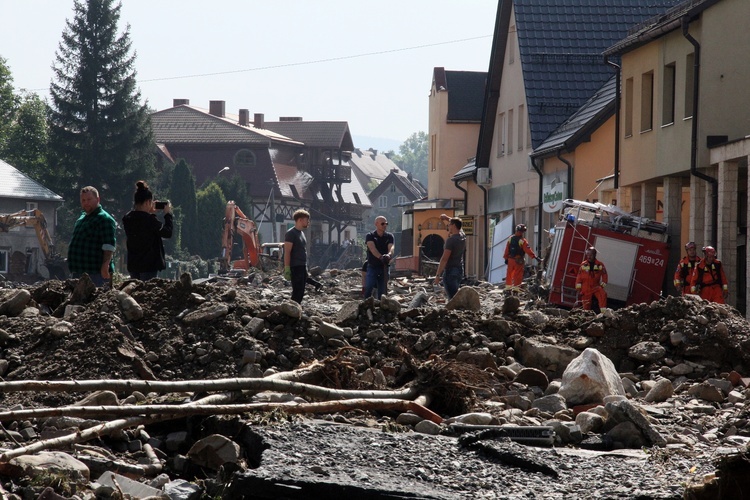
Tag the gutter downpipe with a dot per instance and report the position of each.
(486, 231)
(541, 205)
(570, 173)
(466, 195)
(617, 122)
(694, 135)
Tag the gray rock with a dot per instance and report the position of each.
(408, 419)
(329, 330)
(589, 422)
(661, 391)
(291, 309)
(427, 427)
(13, 303)
(425, 341)
(647, 351)
(180, 489)
(626, 435)
(255, 325)
(547, 357)
(589, 378)
(129, 487)
(131, 309)
(550, 404)
(466, 299)
(706, 392)
(389, 304)
(214, 451)
(206, 313)
(348, 312)
(52, 462)
(625, 411)
(532, 377)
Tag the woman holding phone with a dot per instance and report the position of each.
(144, 233)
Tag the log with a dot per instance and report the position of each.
(229, 384)
(174, 411)
(103, 429)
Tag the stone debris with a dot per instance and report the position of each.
(671, 377)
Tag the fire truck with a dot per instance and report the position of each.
(634, 250)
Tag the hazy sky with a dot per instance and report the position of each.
(366, 62)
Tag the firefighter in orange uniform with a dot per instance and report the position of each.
(708, 279)
(685, 268)
(590, 282)
(515, 249)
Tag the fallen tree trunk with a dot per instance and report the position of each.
(182, 410)
(105, 429)
(229, 384)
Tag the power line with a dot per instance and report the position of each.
(315, 61)
(304, 63)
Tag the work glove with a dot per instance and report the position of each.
(385, 259)
(506, 262)
(287, 273)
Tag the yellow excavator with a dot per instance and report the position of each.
(54, 262)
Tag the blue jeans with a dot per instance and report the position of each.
(452, 280)
(375, 279)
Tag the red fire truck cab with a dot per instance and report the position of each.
(633, 249)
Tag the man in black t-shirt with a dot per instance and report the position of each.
(295, 255)
(379, 254)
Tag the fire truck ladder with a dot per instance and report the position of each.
(581, 239)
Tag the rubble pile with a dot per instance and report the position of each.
(649, 400)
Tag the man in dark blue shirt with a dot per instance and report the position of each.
(379, 254)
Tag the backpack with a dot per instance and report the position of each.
(514, 246)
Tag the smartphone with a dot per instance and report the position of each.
(160, 205)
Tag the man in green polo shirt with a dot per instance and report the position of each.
(93, 243)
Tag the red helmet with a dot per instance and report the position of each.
(521, 228)
(709, 251)
(689, 245)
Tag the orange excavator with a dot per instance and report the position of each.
(236, 222)
(35, 218)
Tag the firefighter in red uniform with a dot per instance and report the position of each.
(708, 279)
(590, 282)
(515, 249)
(685, 268)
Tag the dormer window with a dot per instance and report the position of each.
(244, 158)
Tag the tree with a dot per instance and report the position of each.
(28, 133)
(412, 156)
(211, 207)
(100, 133)
(8, 103)
(184, 197)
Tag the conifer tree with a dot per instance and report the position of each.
(100, 133)
(184, 197)
(211, 206)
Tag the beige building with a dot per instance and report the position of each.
(683, 122)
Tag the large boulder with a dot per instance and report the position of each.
(589, 378)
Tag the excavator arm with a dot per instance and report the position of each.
(35, 218)
(235, 221)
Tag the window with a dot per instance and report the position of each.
(393, 188)
(629, 107)
(689, 84)
(521, 122)
(433, 151)
(401, 200)
(4, 259)
(647, 101)
(244, 158)
(383, 202)
(667, 98)
(500, 127)
(31, 205)
(509, 142)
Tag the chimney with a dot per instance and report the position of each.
(216, 108)
(244, 117)
(374, 153)
(180, 102)
(258, 120)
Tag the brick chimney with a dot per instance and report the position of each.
(259, 120)
(180, 102)
(244, 117)
(216, 108)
